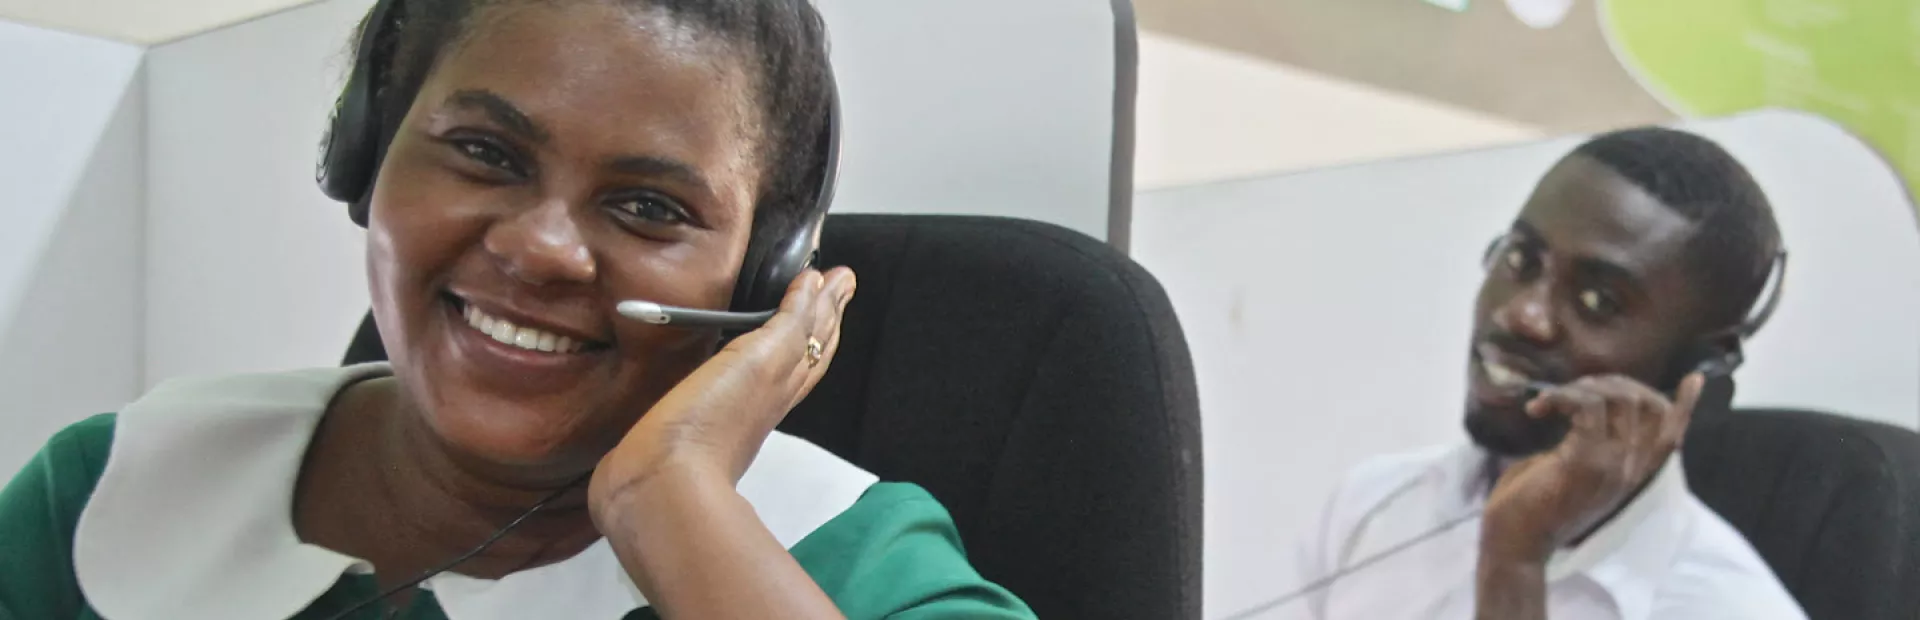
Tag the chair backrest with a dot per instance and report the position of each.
(1035, 381)
(1831, 502)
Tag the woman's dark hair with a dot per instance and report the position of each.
(783, 41)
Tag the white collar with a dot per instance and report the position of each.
(192, 517)
(1628, 556)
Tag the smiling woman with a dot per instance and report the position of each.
(522, 168)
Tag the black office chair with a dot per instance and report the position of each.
(1832, 503)
(1037, 383)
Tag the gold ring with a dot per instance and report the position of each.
(815, 350)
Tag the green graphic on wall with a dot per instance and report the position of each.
(1854, 61)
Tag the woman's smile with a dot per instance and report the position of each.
(513, 350)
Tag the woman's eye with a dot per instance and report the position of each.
(488, 155)
(652, 209)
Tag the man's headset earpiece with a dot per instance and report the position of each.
(350, 155)
(1718, 354)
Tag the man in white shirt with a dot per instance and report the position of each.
(1639, 256)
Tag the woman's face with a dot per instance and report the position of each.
(559, 159)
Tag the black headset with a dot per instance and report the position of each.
(1709, 355)
(352, 148)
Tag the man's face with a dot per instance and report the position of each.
(1591, 279)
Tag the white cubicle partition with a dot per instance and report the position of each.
(1328, 312)
(950, 107)
(70, 134)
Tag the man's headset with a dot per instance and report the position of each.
(353, 146)
(1710, 357)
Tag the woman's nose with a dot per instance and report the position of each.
(542, 245)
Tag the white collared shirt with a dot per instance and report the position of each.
(191, 517)
(1665, 556)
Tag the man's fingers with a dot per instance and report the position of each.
(1688, 397)
(1625, 413)
(1584, 410)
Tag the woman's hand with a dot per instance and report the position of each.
(715, 420)
(664, 497)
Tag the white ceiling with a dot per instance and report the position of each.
(141, 22)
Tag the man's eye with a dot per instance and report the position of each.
(1597, 302)
(1516, 260)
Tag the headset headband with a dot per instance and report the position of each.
(1769, 298)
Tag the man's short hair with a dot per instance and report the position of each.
(1736, 238)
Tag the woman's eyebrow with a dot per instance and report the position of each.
(502, 113)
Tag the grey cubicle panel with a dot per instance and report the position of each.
(1001, 107)
(1328, 312)
(1020, 108)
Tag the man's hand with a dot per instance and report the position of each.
(1620, 433)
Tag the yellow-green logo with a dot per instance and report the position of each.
(1854, 61)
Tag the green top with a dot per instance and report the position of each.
(893, 554)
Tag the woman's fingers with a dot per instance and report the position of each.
(828, 317)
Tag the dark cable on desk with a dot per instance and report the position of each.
(1355, 567)
(495, 537)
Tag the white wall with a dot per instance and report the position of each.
(1207, 114)
(252, 269)
(137, 21)
(1328, 312)
(70, 133)
(249, 267)
(954, 107)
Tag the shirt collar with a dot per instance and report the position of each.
(1629, 555)
(192, 516)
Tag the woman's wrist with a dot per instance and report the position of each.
(611, 496)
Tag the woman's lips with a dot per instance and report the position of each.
(500, 356)
(529, 338)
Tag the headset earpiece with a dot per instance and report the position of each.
(349, 151)
(762, 285)
(1714, 357)
(1719, 354)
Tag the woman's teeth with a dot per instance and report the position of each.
(524, 337)
(1503, 376)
